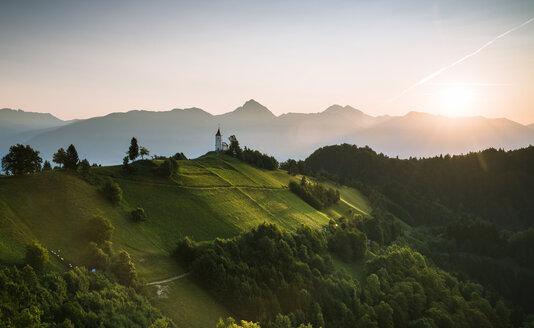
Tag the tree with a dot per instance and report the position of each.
(384, 314)
(71, 158)
(234, 149)
(179, 156)
(96, 257)
(143, 151)
(36, 255)
(47, 166)
(85, 166)
(99, 229)
(125, 166)
(133, 151)
(21, 159)
(124, 269)
(59, 157)
(167, 168)
(112, 191)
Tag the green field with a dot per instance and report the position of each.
(209, 197)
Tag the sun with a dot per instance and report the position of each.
(457, 100)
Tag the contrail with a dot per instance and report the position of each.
(443, 69)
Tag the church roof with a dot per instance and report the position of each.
(218, 133)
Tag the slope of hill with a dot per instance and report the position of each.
(104, 139)
(210, 197)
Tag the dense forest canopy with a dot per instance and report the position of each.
(286, 280)
(471, 214)
(74, 298)
(493, 184)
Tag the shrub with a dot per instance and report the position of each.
(124, 269)
(85, 167)
(167, 168)
(112, 191)
(138, 214)
(36, 255)
(99, 229)
(96, 257)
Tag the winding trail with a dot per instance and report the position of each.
(183, 275)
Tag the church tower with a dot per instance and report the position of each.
(218, 141)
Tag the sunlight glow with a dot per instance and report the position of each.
(457, 100)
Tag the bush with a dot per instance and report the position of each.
(99, 229)
(185, 251)
(138, 214)
(112, 191)
(36, 255)
(124, 270)
(96, 257)
(85, 167)
(168, 168)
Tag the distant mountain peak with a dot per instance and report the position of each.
(254, 108)
(21, 116)
(195, 110)
(342, 109)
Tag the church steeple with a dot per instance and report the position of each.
(218, 141)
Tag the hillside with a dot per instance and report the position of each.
(471, 214)
(210, 197)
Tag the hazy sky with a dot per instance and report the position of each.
(79, 59)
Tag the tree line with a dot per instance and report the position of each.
(315, 194)
(250, 156)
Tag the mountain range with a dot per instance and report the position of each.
(294, 135)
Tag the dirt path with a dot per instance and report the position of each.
(183, 275)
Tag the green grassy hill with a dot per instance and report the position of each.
(212, 196)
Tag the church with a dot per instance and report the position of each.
(219, 144)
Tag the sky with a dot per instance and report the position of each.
(79, 59)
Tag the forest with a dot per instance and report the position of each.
(495, 185)
(74, 298)
(283, 279)
(470, 214)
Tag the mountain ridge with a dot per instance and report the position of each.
(103, 139)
